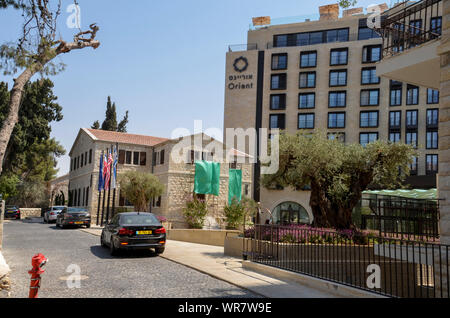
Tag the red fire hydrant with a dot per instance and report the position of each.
(38, 261)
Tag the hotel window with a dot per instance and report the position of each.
(412, 95)
(278, 81)
(128, 157)
(432, 96)
(336, 120)
(278, 101)
(396, 93)
(90, 156)
(432, 140)
(369, 76)
(436, 26)
(82, 161)
(411, 119)
(277, 121)
(338, 78)
(336, 136)
(306, 100)
(432, 164)
(339, 56)
(85, 158)
(432, 118)
(337, 99)
(280, 40)
(368, 119)
(394, 137)
(308, 59)
(415, 27)
(314, 37)
(339, 35)
(307, 80)
(365, 33)
(371, 53)
(413, 167)
(306, 121)
(395, 119)
(135, 158)
(370, 97)
(279, 61)
(411, 138)
(365, 138)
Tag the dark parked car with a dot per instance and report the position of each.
(134, 231)
(73, 217)
(12, 212)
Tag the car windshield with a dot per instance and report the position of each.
(11, 207)
(138, 219)
(75, 210)
(57, 208)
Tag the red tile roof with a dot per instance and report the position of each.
(113, 136)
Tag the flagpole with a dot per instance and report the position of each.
(109, 186)
(116, 155)
(99, 188)
(104, 194)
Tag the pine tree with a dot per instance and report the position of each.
(110, 122)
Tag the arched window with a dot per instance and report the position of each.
(290, 213)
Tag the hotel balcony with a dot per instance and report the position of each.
(411, 33)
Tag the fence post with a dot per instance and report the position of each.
(2, 214)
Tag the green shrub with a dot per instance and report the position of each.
(234, 214)
(195, 213)
(288, 238)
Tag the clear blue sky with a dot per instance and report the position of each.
(164, 61)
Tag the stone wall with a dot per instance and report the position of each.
(30, 213)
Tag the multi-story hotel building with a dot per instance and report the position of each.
(322, 75)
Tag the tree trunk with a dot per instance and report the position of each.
(13, 114)
(319, 206)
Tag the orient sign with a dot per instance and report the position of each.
(241, 81)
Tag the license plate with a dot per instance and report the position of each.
(143, 232)
(79, 222)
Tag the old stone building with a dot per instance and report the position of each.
(153, 155)
(320, 73)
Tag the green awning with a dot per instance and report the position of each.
(207, 177)
(419, 194)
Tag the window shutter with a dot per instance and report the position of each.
(143, 158)
(121, 157)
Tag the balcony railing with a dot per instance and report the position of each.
(408, 25)
(242, 47)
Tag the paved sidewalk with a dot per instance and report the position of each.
(211, 260)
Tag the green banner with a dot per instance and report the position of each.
(207, 177)
(235, 185)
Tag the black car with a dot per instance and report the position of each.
(12, 212)
(134, 231)
(74, 217)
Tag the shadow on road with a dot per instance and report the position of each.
(103, 253)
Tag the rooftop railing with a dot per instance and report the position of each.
(409, 25)
(242, 47)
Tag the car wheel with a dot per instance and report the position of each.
(102, 242)
(112, 248)
(159, 250)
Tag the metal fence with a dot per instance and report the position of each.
(385, 266)
(404, 218)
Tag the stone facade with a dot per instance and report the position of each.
(444, 126)
(59, 188)
(177, 177)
